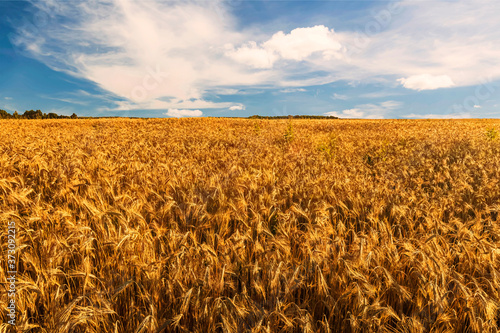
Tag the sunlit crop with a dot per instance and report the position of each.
(250, 225)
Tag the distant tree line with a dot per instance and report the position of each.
(293, 117)
(31, 114)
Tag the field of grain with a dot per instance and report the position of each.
(242, 225)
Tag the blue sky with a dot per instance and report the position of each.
(160, 58)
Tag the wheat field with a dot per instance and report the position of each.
(244, 225)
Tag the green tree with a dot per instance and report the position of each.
(4, 114)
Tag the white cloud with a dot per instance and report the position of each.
(146, 52)
(183, 113)
(348, 113)
(66, 100)
(447, 38)
(477, 106)
(426, 82)
(8, 98)
(224, 91)
(292, 90)
(298, 45)
(439, 116)
(339, 96)
(368, 111)
(158, 104)
(142, 52)
(237, 107)
(252, 55)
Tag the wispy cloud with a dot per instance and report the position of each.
(171, 104)
(292, 90)
(437, 46)
(439, 116)
(8, 98)
(368, 111)
(340, 96)
(142, 52)
(224, 91)
(66, 100)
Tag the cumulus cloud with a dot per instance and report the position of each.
(252, 55)
(426, 82)
(298, 45)
(368, 111)
(237, 107)
(183, 113)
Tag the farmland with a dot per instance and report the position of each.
(252, 225)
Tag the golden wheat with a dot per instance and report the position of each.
(239, 225)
